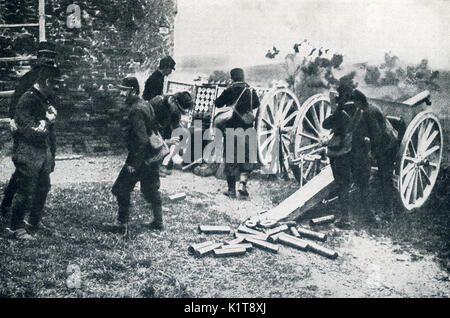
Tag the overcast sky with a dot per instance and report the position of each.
(363, 30)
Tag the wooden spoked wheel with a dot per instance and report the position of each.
(275, 122)
(420, 158)
(309, 139)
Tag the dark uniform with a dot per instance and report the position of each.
(46, 55)
(33, 157)
(248, 101)
(384, 147)
(154, 85)
(355, 165)
(144, 119)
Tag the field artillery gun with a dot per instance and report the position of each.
(291, 138)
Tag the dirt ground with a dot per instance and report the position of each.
(370, 263)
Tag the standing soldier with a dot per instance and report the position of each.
(248, 100)
(154, 87)
(34, 151)
(349, 155)
(145, 121)
(45, 56)
(383, 146)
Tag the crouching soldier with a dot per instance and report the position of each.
(34, 151)
(146, 149)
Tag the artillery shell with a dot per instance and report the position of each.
(289, 223)
(294, 231)
(244, 229)
(274, 238)
(177, 197)
(216, 229)
(311, 234)
(235, 241)
(321, 250)
(250, 223)
(322, 220)
(262, 244)
(194, 247)
(207, 249)
(235, 251)
(268, 223)
(277, 229)
(247, 246)
(293, 241)
(262, 237)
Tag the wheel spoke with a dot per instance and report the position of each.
(309, 136)
(289, 118)
(321, 111)
(427, 178)
(410, 187)
(430, 151)
(270, 115)
(281, 106)
(410, 158)
(311, 125)
(424, 137)
(421, 183)
(267, 141)
(308, 147)
(415, 184)
(266, 132)
(407, 169)
(429, 141)
(286, 109)
(407, 180)
(412, 147)
(316, 120)
(267, 123)
(310, 164)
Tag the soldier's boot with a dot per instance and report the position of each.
(242, 188)
(157, 223)
(121, 224)
(34, 223)
(343, 222)
(231, 191)
(9, 192)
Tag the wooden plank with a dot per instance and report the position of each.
(214, 229)
(41, 20)
(417, 99)
(22, 25)
(312, 193)
(263, 244)
(177, 196)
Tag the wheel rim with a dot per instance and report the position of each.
(309, 150)
(276, 120)
(421, 155)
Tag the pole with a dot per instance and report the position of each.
(41, 20)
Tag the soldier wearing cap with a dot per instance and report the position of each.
(247, 102)
(34, 151)
(45, 57)
(155, 83)
(143, 160)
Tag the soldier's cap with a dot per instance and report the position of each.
(237, 74)
(358, 96)
(167, 62)
(129, 83)
(46, 50)
(50, 72)
(346, 86)
(184, 101)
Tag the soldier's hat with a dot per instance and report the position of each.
(130, 83)
(184, 101)
(46, 50)
(237, 74)
(346, 87)
(167, 62)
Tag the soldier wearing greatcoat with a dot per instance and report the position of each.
(34, 152)
(248, 101)
(146, 121)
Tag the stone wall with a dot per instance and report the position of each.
(116, 38)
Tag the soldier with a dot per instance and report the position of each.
(154, 87)
(383, 147)
(34, 151)
(145, 121)
(45, 56)
(350, 161)
(155, 83)
(248, 100)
